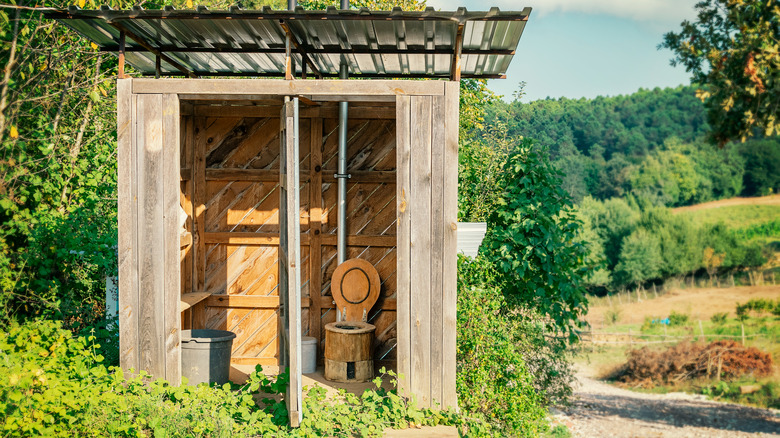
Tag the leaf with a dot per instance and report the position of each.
(94, 46)
(82, 3)
(189, 4)
(14, 132)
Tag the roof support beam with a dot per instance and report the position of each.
(334, 75)
(299, 48)
(311, 50)
(121, 70)
(123, 30)
(455, 68)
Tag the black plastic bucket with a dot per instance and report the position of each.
(205, 355)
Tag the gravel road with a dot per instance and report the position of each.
(602, 410)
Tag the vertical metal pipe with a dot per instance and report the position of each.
(341, 236)
(291, 4)
(342, 174)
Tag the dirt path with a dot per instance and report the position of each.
(602, 410)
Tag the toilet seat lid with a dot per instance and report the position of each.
(355, 287)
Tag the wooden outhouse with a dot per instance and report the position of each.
(227, 184)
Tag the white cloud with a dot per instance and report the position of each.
(652, 11)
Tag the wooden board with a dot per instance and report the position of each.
(151, 261)
(127, 249)
(449, 254)
(404, 258)
(171, 200)
(421, 254)
(437, 249)
(290, 258)
(240, 88)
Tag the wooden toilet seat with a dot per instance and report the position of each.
(355, 288)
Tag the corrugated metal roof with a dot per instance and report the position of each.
(470, 236)
(238, 42)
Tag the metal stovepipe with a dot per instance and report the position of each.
(342, 173)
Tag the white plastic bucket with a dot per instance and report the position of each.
(309, 355)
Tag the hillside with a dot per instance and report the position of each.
(631, 124)
(773, 200)
(650, 145)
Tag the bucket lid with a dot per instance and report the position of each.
(206, 336)
(308, 340)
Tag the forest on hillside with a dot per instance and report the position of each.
(649, 144)
(625, 161)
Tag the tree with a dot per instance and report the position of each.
(731, 50)
(679, 240)
(532, 240)
(712, 261)
(640, 258)
(612, 220)
(762, 167)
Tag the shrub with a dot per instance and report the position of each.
(612, 315)
(678, 318)
(767, 396)
(533, 241)
(493, 376)
(544, 355)
(719, 318)
(63, 267)
(53, 384)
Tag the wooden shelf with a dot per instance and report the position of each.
(191, 299)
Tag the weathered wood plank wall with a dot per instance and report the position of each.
(427, 154)
(148, 144)
(240, 217)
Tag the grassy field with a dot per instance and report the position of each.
(613, 322)
(757, 219)
(771, 200)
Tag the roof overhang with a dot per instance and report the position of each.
(239, 42)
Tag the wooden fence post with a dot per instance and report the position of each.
(701, 330)
(743, 334)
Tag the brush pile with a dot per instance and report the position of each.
(686, 360)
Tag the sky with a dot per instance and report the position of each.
(587, 48)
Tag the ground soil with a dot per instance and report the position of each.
(700, 304)
(602, 410)
(763, 200)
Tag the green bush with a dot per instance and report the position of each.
(767, 396)
(54, 384)
(612, 315)
(719, 318)
(533, 241)
(493, 376)
(544, 355)
(759, 307)
(678, 318)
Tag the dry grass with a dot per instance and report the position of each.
(763, 200)
(700, 304)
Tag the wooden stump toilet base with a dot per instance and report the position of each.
(348, 351)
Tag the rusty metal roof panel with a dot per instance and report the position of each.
(238, 42)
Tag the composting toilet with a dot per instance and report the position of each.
(348, 341)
